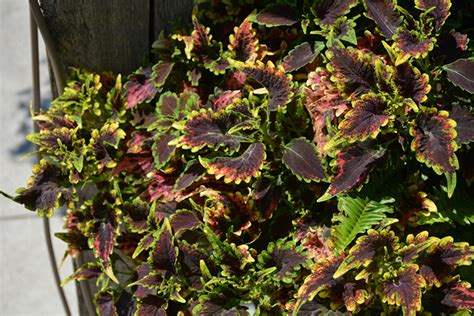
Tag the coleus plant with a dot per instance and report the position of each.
(279, 157)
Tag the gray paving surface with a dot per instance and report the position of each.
(26, 281)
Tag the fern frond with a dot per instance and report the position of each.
(359, 215)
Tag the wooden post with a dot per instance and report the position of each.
(112, 35)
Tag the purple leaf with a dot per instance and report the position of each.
(244, 42)
(383, 12)
(440, 12)
(160, 73)
(464, 124)
(164, 254)
(461, 73)
(328, 11)
(277, 15)
(238, 169)
(103, 244)
(302, 55)
(184, 219)
(139, 88)
(105, 304)
(162, 151)
(193, 172)
(301, 158)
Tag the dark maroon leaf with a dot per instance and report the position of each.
(44, 192)
(365, 119)
(285, 258)
(142, 271)
(301, 55)
(139, 88)
(151, 306)
(221, 99)
(354, 164)
(211, 308)
(328, 11)
(165, 210)
(244, 42)
(464, 124)
(162, 151)
(357, 72)
(277, 15)
(239, 169)
(274, 80)
(105, 304)
(161, 72)
(301, 158)
(168, 104)
(404, 290)
(193, 173)
(210, 129)
(459, 296)
(85, 272)
(440, 10)
(103, 245)
(184, 219)
(136, 215)
(461, 73)
(164, 253)
(411, 83)
(412, 44)
(434, 142)
(321, 278)
(266, 195)
(383, 12)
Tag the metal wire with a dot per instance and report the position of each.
(36, 108)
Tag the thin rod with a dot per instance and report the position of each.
(48, 40)
(36, 108)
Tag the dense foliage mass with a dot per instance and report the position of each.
(283, 157)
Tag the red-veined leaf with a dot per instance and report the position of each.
(244, 42)
(139, 88)
(459, 296)
(221, 99)
(273, 78)
(412, 43)
(404, 290)
(103, 244)
(411, 83)
(365, 120)
(301, 158)
(238, 169)
(434, 142)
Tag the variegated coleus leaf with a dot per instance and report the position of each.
(164, 253)
(266, 195)
(162, 150)
(354, 68)
(367, 117)
(222, 99)
(276, 15)
(461, 73)
(404, 290)
(416, 246)
(139, 88)
(458, 296)
(438, 9)
(301, 158)
(328, 11)
(207, 128)
(438, 261)
(301, 55)
(104, 302)
(411, 83)
(237, 169)
(44, 191)
(434, 141)
(183, 220)
(367, 250)
(244, 42)
(273, 78)
(285, 257)
(87, 271)
(412, 43)
(151, 306)
(103, 142)
(464, 124)
(210, 308)
(384, 13)
(104, 241)
(160, 73)
(168, 104)
(353, 166)
(320, 279)
(136, 214)
(193, 172)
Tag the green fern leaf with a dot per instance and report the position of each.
(359, 215)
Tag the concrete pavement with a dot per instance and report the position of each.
(26, 281)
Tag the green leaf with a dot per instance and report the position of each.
(360, 215)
